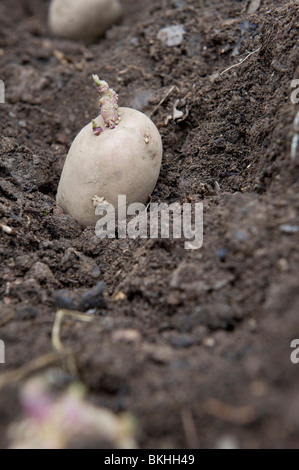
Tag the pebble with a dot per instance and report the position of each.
(222, 254)
(172, 35)
(134, 41)
(95, 273)
(91, 312)
(127, 335)
(283, 264)
(252, 323)
(242, 236)
(209, 342)
(182, 341)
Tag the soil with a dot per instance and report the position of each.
(208, 363)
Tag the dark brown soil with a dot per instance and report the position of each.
(213, 362)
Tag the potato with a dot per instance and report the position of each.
(124, 160)
(83, 20)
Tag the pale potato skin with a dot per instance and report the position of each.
(83, 20)
(121, 161)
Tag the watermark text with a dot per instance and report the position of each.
(2, 352)
(295, 354)
(2, 92)
(160, 221)
(295, 93)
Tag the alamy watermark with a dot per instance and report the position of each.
(2, 352)
(295, 93)
(186, 221)
(295, 354)
(2, 92)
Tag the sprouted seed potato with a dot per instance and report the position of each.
(118, 153)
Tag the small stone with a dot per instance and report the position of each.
(182, 341)
(209, 342)
(252, 324)
(174, 298)
(95, 273)
(283, 264)
(120, 296)
(91, 312)
(172, 35)
(134, 41)
(93, 298)
(128, 335)
(242, 236)
(222, 254)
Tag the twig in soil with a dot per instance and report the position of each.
(61, 57)
(6, 229)
(145, 75)
(241, 61)
(231, 414)
(189, 429)
(33, 366)
(171, 89)
(38, 108)
(56, 341)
